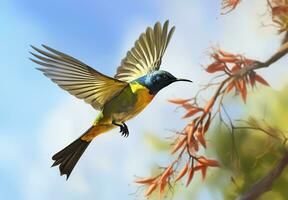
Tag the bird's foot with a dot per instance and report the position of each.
(123, 129)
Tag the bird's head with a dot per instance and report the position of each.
(157, 80)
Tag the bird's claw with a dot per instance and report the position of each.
(124, 130)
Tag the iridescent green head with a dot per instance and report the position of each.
(157, 80)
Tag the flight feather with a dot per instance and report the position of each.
(147, 53)
(77, 78)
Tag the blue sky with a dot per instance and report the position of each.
(37, 118)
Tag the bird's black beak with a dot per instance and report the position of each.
(181, 79)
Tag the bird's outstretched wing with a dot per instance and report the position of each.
(76, 77)
(146, 54)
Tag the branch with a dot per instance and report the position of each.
(283, 50)
(266, 182)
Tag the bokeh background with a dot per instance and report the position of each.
(37, 118)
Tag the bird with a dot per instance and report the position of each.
(138, 79)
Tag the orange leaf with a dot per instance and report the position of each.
(229, 87)
(252, 78)
(145, 180)
(279, 10)
(230, 4)
(226, 54)
(207, 124)
(182, 172)
(198, 167)
(192, 112)
(187, 106)
(150, 189)
(243, 90)
(207, 162)
(209, 105)
(261, 80)
(166, 173)
(179, 101)
(202, 160)
(203, 172)
(215, 67)
(190, 176)
(241, 84)
(200, 137)
(229, 59)
(162, 187)
(189, 130)
(179, 144)
(203, 169)
(195, 144)
(213, 163)
(238, 86)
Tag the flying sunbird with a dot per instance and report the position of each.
(137, 81)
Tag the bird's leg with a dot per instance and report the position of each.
(123, 128)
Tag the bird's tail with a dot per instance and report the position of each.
(68, 157)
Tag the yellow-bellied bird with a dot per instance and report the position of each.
(137, 81)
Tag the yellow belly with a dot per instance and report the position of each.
(144, 97)
(130, 102)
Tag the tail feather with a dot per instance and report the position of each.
(68, 157)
